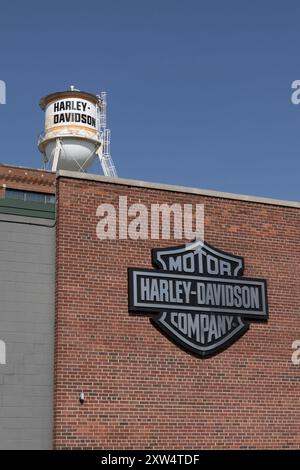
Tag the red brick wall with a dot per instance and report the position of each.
(26, 179)
(142, 391)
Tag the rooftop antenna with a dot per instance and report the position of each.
(103, 152)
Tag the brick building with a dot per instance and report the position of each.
(142, 389)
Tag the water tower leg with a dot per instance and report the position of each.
(56, 155)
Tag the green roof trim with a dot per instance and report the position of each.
(27, 208)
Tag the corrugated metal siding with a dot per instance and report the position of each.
(27, 261)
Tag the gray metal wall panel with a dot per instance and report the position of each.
(27, 263)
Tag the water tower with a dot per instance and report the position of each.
(75, 132)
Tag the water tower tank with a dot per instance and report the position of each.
(72, 129)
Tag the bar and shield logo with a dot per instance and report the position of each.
(198, 296)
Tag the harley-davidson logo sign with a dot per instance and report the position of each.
(198, 296)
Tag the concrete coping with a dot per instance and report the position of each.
(174, 188)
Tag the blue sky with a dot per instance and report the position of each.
(199, 92)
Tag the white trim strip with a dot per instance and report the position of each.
(176, 189)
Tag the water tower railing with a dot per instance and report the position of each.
(66, 132)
